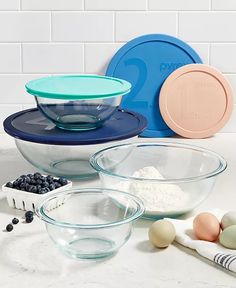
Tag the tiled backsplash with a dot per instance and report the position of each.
(43, 37)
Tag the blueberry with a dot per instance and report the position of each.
(15, 221)
(37, 175)
(50, 179)
(45, 184)
(43, 191)
(43, 179)
(22, 185)
(22, 189)
(9, 227)
(33, 189)
(23, 176)
(33, 181)
(39, 182)
(19, 180)
(15, 184)
(29, 219)
(27, 187)
(30, 175)
(27, 179)
(51, 187)
(62, 181)
(9, 184)
(29, 214)
(57, 185)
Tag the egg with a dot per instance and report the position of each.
(162, 233)
(228, 219)
(228, 237)
(206, 227)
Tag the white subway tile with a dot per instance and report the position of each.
(52, 58)
(10, 58)
(207, 26)
(115, 5)
(179, 4)
(9, 4)
(130, 25)
(232, 81)
(82, 26)
(97, 56)
(13, 88)
(52, 4)
(203, 51)
(7, 110)
(24, 26)
(223, 5)
(223, 57)
(231, 125)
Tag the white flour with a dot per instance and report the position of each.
(156, 197)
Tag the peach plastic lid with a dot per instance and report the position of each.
(196, 101)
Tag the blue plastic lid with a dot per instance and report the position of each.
(78, 87)
(30, 125)
(146, 62)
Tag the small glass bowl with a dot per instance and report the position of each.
(78, 102)
(90, 223)
(186, 174)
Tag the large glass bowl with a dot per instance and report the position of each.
(184, 174)
(78, 102)
(89, 223)
(69, 161)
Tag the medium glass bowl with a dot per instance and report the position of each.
(184, 174)
(89, 223)
(78, 102)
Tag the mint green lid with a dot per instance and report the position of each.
(78, 87)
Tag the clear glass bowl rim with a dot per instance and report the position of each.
(222, 162)
(40, 212)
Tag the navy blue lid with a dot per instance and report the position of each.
(30, 125)
(146, 62)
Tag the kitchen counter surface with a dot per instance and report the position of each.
(28, 258)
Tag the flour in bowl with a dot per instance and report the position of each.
(156, 196)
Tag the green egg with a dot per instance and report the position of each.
(228, 237)
(228, 219)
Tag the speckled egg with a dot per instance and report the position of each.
(206, 227)
(228, 237)
(228, 219)
(162, 233)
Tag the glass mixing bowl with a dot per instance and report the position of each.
(69, 161)
(170, 178)
(78, 102)
(90, 223)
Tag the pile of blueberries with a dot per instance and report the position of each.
(37, 183)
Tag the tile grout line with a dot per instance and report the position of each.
(114, 27)
(84, 53)
(50, 23)
(177, 24)
(21, 58)
(209, 54)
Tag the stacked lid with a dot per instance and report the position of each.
(30, 125)
(171, 88)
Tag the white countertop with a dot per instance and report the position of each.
(28, 258)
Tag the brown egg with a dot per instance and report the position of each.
(206, 227)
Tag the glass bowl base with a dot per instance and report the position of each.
(73, 169)
(90, 248)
